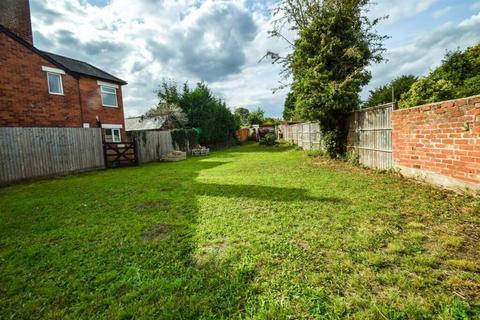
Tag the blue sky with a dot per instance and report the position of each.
(222, 41)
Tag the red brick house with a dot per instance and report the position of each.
(42, 89)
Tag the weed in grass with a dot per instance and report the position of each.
(396, 247)
(315, 153)
(451, 241)
(463, 264)
(415, 225)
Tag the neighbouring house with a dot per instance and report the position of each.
(42, 89)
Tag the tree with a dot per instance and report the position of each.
(457, 76)
(336, 44)
(383, 94)
(170, 111)
(427, 90)
(204, 111)
(271, 121)
(242, 115)
(289, 107)
(256, 117)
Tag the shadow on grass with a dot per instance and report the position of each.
(70, 251)
(212, 287)
(253, 148)
(92, 256)
(262, 193)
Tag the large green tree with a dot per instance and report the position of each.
(335, 45)
(289, 107)
(242, 115)
(256, 116)
(204, 111)
(458, 76)
(383, 94)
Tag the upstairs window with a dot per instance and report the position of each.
(55, 83)
(54, 80)
(109, 96)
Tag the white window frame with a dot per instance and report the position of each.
(109, 86)
(113, 135)
(61, 83)
(54, 71)
(113, 127)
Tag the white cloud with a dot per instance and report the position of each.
(425, 52)
(221, 41)
(146, 41)
(399, 10)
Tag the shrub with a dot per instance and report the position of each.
(457, 76)
(471, 87)
(204, 111)
(427, 90)
(315, 153)
(383, 94)
(269, 139)
(181, 136)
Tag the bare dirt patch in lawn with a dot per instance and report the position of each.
(156, 232)
(210, 250)
(153, 204)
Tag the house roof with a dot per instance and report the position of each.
(74, 67)
(142, 123)
(83, 68)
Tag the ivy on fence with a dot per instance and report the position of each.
(184, 137)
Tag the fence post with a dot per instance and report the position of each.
(135, 152)
(105, 157)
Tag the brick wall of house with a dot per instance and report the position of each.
(92, 106)
(440, 141)
(24, 97)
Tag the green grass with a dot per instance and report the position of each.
(249, 232)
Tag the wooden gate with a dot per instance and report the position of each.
(120, 154)
(370, 136)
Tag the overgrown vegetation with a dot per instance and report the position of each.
(289, 108)
(269, 139)
(383, 94)
(458, 76)
(249, 233)
(180, 138)
(204, 111)
(256, 117)
(241, 116)
(247, 118)
(336, 42)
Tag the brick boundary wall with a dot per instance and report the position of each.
(439, 143)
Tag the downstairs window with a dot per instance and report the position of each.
(112, 135)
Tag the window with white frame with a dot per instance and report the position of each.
(109, 96)
(112, 135)
(54, 80)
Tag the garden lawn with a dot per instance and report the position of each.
(248, 232)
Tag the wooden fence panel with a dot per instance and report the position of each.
(28, 153)
(370, 136)
(305, 135)
(153, 145)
